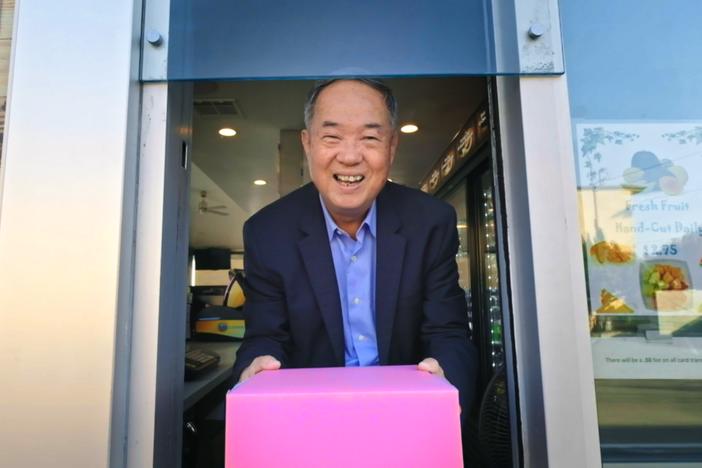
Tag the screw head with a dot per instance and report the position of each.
(153, 37)
(536, 30)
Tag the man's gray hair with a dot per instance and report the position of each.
(376, 84)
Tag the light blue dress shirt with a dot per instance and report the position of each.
(354, 263)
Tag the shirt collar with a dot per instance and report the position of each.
(332, 227)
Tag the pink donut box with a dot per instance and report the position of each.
(388, 416)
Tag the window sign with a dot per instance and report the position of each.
(640, 190)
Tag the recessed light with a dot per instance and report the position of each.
(227, 132)
(409, 128)
(260, 182)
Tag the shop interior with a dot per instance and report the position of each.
(246, 153)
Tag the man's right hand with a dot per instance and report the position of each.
(259, 364)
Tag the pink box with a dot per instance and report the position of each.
(390, 416)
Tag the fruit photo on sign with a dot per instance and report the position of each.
(665, 285)
(613, 304)
(648, 173)
(611, 252)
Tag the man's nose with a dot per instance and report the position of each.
(350, 153)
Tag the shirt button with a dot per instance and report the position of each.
(353, 259)
(356, 300)
(361, 338)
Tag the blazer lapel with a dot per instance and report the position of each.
(317, 258)
(390, 253)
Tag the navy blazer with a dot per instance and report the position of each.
(292, 308)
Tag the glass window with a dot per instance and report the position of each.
(247, 39)
(634, 79)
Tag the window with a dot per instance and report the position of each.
(636, 108)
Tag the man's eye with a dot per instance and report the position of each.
(371, 138)
(331, 138)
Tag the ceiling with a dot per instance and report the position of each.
(226, 167)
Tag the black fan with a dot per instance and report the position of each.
(493, 423)
(204, 208)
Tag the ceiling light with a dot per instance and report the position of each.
(260, 182)
(227, 132)
(409, 128)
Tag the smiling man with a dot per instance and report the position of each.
(353, 270)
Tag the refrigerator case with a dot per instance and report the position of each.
(477, 260)
(490, 274)
(457, 198)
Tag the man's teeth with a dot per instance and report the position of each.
(348, 179)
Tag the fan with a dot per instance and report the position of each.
(493, 423)
(204, 208)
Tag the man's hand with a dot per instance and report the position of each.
(259, 364)
(432, 366)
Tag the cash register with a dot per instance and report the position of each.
(199, 361)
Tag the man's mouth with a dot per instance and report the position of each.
(348, 180)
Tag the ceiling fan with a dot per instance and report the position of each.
(204, 208)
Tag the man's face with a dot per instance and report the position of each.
(350, 145)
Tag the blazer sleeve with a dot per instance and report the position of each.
(445, 330)
(267, 330)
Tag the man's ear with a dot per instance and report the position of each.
(305, 139)
(394, 143)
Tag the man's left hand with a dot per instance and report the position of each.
(432, 366)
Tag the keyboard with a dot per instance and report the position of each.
(198, 362)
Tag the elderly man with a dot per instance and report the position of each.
(353, 270)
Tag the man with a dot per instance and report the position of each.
(352, 269)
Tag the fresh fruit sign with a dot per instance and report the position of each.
(640, 190)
